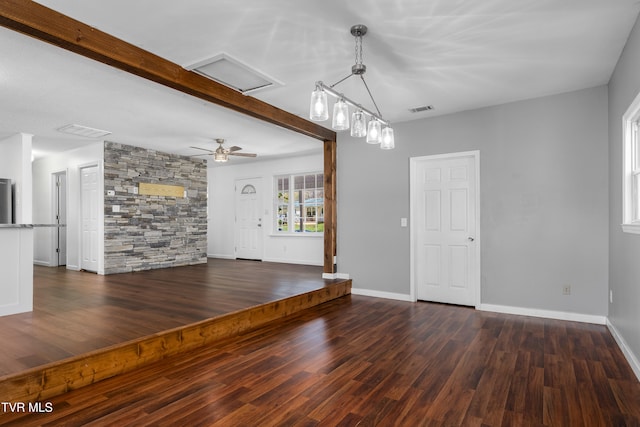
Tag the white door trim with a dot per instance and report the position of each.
(413, 161)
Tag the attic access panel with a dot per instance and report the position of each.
(231, 72)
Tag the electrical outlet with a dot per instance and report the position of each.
(566, 290)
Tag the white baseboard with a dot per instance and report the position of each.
(73, 267)
(381, 294)
(41, 263)
(343, 276)
(548, 314)
(628, 354)
(278, 260)
(289, 261)
(222, 256)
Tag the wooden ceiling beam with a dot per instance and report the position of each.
(40, 22)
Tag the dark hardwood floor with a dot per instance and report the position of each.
(78, 312)
(364, 361)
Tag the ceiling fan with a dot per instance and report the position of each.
(221, 154)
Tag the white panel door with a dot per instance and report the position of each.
(89, 196)
(444, 229)
(248, 219)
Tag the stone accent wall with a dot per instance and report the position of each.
(152, 231)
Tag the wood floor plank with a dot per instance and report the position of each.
(490, 370)
(76, 312)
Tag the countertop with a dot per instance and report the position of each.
(30, 225)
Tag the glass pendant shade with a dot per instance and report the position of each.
(358, 124)
(318, 110)
(340, 116)
(388, 142)
(374, 133)
(220, 157)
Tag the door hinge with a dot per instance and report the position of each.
(57, 250)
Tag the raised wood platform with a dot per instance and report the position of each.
(256, 293)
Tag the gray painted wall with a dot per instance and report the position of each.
(624, 256)
(544, 201)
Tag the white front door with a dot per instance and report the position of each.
(89, 196)
(444, 228)
(248, 227)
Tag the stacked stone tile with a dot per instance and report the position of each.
(153, 231)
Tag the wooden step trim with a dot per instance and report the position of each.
(60, 377)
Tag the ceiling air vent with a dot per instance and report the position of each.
(85, 131)
(231, 72)
(420, 109)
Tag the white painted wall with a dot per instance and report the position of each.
(297, 249)
(16, 244)
(71, 162)
(544, 198)
(624, 254)
(15, 163)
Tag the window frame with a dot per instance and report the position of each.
(291, 202)
(631, 168)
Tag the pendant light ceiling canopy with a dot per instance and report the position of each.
(377, 130)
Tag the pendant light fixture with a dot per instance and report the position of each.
(358, 124)
(387, 142)
(319, 110)
(374, 134)
(340, 115)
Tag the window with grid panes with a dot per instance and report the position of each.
(299, 203)
(631, 168)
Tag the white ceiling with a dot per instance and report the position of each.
(453, 54)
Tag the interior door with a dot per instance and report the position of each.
(61, 217)
(89, 213)
(248, 226)
(445, 244)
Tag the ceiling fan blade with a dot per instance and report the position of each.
(243, 154)
(198, 155)
(234, 148)
(203, 149)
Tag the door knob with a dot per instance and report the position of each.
(471, 239)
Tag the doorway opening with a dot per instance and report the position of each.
(59, 205)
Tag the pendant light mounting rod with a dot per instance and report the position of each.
(332, 92)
